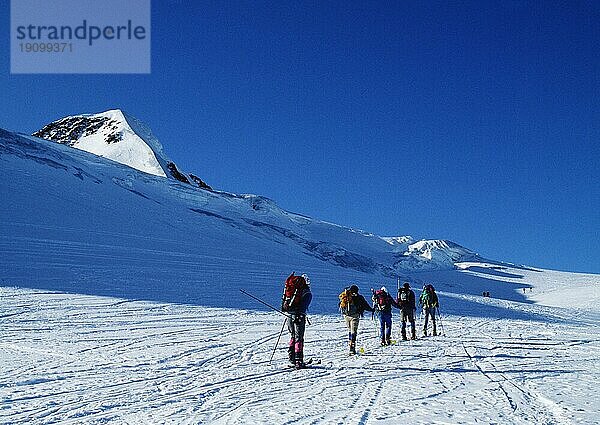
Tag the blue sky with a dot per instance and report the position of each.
(472, 121)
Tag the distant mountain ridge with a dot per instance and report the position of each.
(242, 227)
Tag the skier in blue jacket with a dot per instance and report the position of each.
(382, 303)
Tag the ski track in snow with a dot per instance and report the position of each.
(69, 359)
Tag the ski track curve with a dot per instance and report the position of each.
(532, 407)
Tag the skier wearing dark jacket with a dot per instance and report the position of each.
(406, 301)
(353, 310)
(295, 303)
(382, 303)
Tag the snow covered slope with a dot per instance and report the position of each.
(86, 224)
(78, 211)
(120, 304)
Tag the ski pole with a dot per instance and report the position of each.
(271, 307)
(375, 313)
(278, 338)
(264, 303)
(441, 322)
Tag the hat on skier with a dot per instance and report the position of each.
(354, 289)
(305, 276)
(406, 285)
(384, 289)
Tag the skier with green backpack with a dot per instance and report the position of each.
(429, 302)
(352, 306)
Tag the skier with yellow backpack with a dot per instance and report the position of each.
(352, 306)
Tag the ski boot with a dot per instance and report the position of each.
(291, 355)
(299, 364)
(404, 338)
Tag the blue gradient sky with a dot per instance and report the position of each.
(473, 121)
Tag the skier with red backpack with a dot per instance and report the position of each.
(382, 303)
(295, 301)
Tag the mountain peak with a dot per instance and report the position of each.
(115, 135)
(441, 249)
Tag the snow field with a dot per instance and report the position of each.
(68, 358)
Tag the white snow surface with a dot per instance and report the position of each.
(121, 304)
(69, 358)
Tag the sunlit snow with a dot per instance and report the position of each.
(121, 304)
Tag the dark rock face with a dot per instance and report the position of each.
(176, 174)
(70, 129)
(195, 180)
(199, 182)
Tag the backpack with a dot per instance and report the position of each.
(425, 298)
(381, 299)
(347, 302)
(403, 297)
(428, 296)
(293, 291)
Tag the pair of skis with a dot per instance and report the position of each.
(306, 365)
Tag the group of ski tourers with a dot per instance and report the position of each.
(297, 297)
(353, 305)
